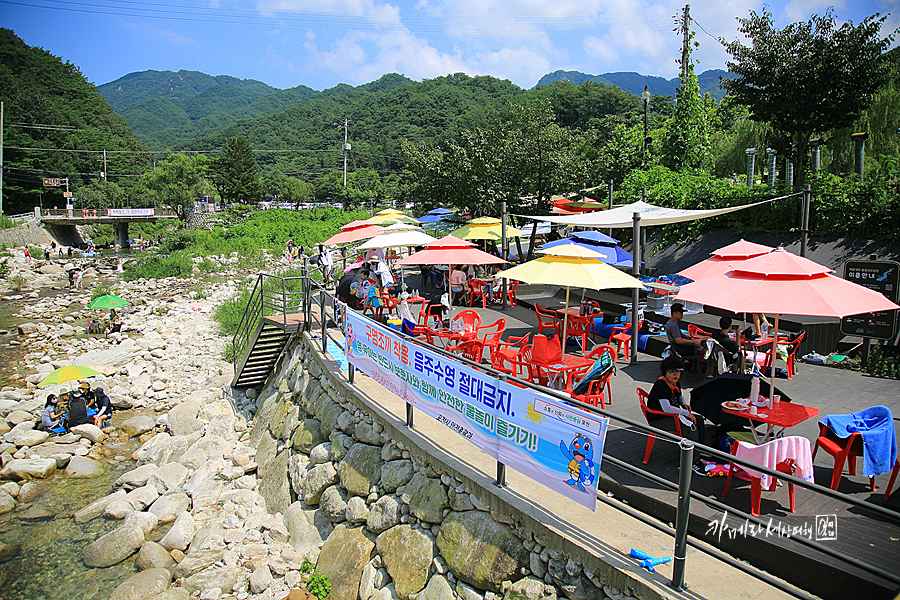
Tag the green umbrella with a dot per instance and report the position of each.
(108, 301)
(67, 373)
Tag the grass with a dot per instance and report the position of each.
(101, 289)
(158, 267)
(6, 222)
(17, 283)
(197, 292)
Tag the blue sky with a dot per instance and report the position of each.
(320, 44)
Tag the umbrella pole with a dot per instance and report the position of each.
(565, 326)
(772, 378)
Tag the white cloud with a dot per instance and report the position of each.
(602, 50)
(802, 10)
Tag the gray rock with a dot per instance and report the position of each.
(307, 435)
(527, 588)
(437, 589)
(343, 557)
(204, 450)
(28, 468)
(137, 477)
(384, 514)
(340, 444)
(394, 474)
(357, 511)
(365, 433)
(274, 484)
(205, 496)
(169, 477)
(19, 416)
(460, 501)
(146, 521)
(144, 585)
(168, 507)
(321, 454)
(114, 547)
(182, 418)
(153, 556)
(208, 537)
(223, 578)
(333, 504)
(89, 431)
(173, 593)
(137, 425)
(29, 437)
(82, 467)
(427, 498)
(407, 554)
(317, 480)
(7, 503)
(95, 509)
(480, 551)
(307, 529)
(194, 562)
(361, 469)
(180, 535)
(260, 579)
(32, 490)
(142, 497)
(537, 566)
(465, 592)
(367, 582)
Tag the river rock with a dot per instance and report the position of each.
(427, 498)
(28, 468)
(19, 416)
(137, 477)
(307, 436)
(343, 556)
(180, 535)
(153, 556)
(529, 588)
(90, 432)
(169, 477)
(196, 561)
(142, 586)
(317, 480)
(82, 467)
(204, 450)
(137, 425)
(145, 520)
(480, 551)
(260, 579)
(30, 437)
(394, 474)
(407, 554)
(361, 469)
(182, 418)
(384, 514)
(438, 589)
(173, 593)
(320, 455)
(223, 579)
(333, 504)
(168, 507)
(274, 483)
(308, 529)
(357, 511)
(95, 509)
(7, 503)
(114, 547)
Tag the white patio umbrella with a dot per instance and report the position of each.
(398, 236)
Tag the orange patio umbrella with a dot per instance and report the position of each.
(354, 232)
(723, 259)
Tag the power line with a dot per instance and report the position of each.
(708, 33)
(156, 151)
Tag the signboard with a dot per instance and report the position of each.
(67, 194)
(555, 444)
(52, 182)
(882, 276)
(129, 212)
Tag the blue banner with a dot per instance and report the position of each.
(555, 444)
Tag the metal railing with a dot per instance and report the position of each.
(90, 213)
(271, 296)
(682, 486)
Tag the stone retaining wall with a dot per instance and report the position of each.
(385, 520)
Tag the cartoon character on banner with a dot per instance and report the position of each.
(351, 339)
(581, 460)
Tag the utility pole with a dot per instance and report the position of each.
(685, 45)
(104, 165)
(1, 158)
(345, 148)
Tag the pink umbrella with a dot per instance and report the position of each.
(354, 234)
(723, 258)
(783, 283)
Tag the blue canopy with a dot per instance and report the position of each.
(430, 218)
(595, 237)
(612, 255)
(440, 211)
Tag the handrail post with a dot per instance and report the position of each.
(306, 290)
(409, 415)
(283, 302)
(501, 468)
(683, 512)
(322, 313)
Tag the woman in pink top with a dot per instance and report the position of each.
(458, 285)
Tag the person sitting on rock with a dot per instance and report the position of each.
(77, 410)
(51, 418)
(114, 325)
(90, 402)
(104, 408)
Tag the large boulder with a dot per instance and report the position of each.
(143, 586)
(395, 474)
(169, 477)
(204, 450)
(437, 589)
(274, 483)
(384, 514)
(195, 562)
(307, 436)
(29, 468)
(95, 509)
(168, 507)
(180, 535)
(343, 557)
(223, 579)
(114, 547)
(137, 425)
(308, 529)
(82, 467)
(407, 554)
(29, 437)
(361, 469)
(427, 498)
(137, 477)
(89, 431)
(480, 551)
(182, 418)
(153, 556)
(317, 480)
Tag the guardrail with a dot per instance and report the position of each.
(320, 319)
(105, 213)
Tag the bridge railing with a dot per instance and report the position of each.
(89, 213)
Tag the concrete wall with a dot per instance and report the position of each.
(33, 233)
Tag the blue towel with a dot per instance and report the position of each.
(876, 425)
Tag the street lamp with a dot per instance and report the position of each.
(645, 96)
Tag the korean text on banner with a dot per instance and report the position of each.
(554, 444)
(130, 212)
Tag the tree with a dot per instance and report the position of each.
(179, 180)
(807, 78)
(237, 176)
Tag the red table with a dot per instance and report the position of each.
(569, 362)
(783, 414)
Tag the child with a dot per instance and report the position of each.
(51, 419)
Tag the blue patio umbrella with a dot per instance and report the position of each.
(430, 218)
(612, 255)
(595, 237)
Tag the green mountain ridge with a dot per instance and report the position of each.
(635, 82)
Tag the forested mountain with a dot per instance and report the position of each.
(635, 82)
(164, 107)
(48, 103)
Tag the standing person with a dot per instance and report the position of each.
(666, 396)
(326, 263)
(71, 274)
(682, 346)
(79, 278)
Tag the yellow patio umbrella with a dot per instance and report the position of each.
(484, 228)
(567, 265)
(390, 216)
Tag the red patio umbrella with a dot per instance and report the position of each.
(723, 258)
(783, 283)
(356, 233)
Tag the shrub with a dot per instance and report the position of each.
(17, 283)
(319, 585)
(229, 314)
(157, 267)
(101, 289)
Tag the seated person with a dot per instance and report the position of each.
(77, 413)
(90, 402)
(114, 325)
(458, 286)
(666, 396)
(94, 327)
(731, 353)
(51, 418)
(682, 346)
(104, 408)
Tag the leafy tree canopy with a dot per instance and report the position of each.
(236, 173)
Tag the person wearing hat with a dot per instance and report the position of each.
(666, 396)
(104, 408)
(684, 347)
(77, 413)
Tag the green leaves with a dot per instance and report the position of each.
(236, 173)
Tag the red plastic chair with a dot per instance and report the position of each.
(786, 466)
(511, 352)
(598, 389)
(477, 289)
(546, 319)
(580, 327)
(491, 339)
(695, 332)
(543, 351)
(642, 397)
(843, 450)
(792, 347)
(621, 334)
(431, 312)
(472, 349)
(894, 472)
(511, 292)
